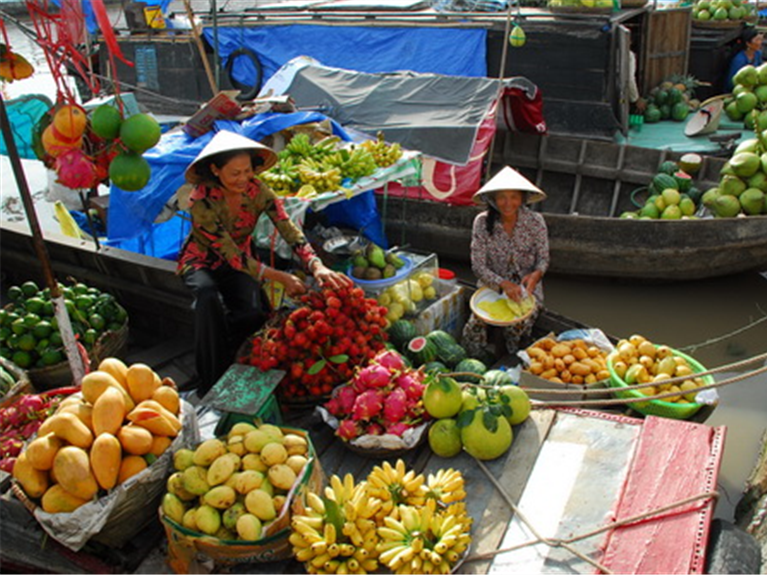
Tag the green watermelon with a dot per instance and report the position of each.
(683, 180)
(498, 377)
(440, 338)
(652, 114)
(668, 167)
(662, 182)
(401, 332)
(451, 355)
(420, 351)
(679, 111)
(470, 365)
(433, 366)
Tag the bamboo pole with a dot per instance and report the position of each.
(201, 48)
(65, 325)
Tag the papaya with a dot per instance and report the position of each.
(135, 439)
(41, 451)
(159, 444)
(142, 382)
(168, 398)
(152, 420)
(130, 466)
(152, 404)
(67, 401)
(116, 368)
(69, 428)
(94, 383)
(83, 412)
(106, 457)
(108, 412)
(59, 500)
(33, 481)
(73, 472)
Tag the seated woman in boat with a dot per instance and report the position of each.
(749, 51)
(509, 253)
(218, 260)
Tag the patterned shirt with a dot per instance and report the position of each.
(217, 238)
(499, 256)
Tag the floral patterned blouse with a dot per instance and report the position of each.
(218, 238)
(499, 256)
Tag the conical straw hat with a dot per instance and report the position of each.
(226, 141)
(510, 179)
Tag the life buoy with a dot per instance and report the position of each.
(246, 92)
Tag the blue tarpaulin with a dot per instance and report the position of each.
(23, 115)
(450, 51)
(131, 224)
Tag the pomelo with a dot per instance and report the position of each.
(105, 121)
(445, 438)
(442, 397)
(129, 171)
(687, 206)
(140, 132)
(671, 197)
(487, 436)
(519, 402)
(672, 212)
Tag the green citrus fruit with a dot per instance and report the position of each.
(445, 438)
(90, 336)
(31, 320)
(29, 289)
(105, 121)
(15, 293)
(27, 342)
(52, 357)
(97, 322)
(43, 329)
(129, 171)
(35, 304)
(22, 358)
(140, 132)
(56, 339)
(18, 326)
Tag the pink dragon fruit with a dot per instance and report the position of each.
(14, 417)
(371, 377)
(395, 406)
(346, 397)
(7, 464)
(10, 447)
(30, 405)
(367, 405)
(31, 428)
(397, 428)
(374, 429)
(410, 381)
(389, 359)
(75, 170)
(347, 430)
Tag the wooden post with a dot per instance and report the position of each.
(201, 48)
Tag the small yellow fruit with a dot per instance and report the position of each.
(259, 503)
(273, 454)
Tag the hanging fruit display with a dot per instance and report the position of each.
(13, 66)
(673, 99)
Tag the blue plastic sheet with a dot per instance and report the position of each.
(131, 225)
(450, 51)
(23, 115)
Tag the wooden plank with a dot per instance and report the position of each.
(674, 460)
(490, 525)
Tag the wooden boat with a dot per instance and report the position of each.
(589, 184)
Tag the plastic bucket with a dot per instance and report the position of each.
(154, 17)
(447, 278)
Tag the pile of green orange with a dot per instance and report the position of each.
(29, 332)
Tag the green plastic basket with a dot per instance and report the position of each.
(659, 407)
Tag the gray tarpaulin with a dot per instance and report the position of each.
(434, 114)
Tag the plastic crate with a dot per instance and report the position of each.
(448, 313)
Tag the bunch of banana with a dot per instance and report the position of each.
(384, 154)
(282, 178)
(323, 180)
(394, 486)
(338, 533)
(444, 488)
(355, 162)
(422, 541)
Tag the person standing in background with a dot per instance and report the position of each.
(749, 47)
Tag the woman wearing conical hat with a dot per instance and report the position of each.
(509, 253)
(219, 261)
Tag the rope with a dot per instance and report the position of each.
(714, 340)
(566, 543)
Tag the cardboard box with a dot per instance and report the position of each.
(448, 313)
(222, 106)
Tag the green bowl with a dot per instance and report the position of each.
(658, 406)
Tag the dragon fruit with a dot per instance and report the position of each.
(367, 405)
(11, 447)
(395, 406)
(347, 430)
(31, 428)
(389, 359)
(346, 396)
(410, 381)
(397, 428)
(371, 377)
(75, 170)
(374, 429)
(7, 464)
(29, 405)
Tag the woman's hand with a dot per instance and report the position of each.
(328, 278)
(531, 280)
(293, 284)
(512, 290)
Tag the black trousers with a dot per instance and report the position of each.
(228, 307)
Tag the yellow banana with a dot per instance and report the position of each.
(369, 565)
(346, 549)
(315, 502)
(320, 547)
(404, 557)
(331, 566)
(330, 533)
(334, 550)
(304, 555)
(319, 561)
(388, 556)
(308, 533)
(297, 540)
(313, 522)
(352, 564)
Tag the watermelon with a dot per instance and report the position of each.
(662, 182)
(433, 366)
(451, 355)
(440, 338)
(420, 350)
(498, 377)
(401, 332)
(470, 365)
(679, 112)
(683, 180)
(652, 114)
(668, 167)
